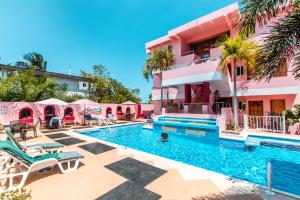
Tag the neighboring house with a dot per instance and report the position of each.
(195, 75)
(76, 84)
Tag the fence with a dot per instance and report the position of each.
(196, 108)
(263, 123)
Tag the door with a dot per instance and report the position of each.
(256, 108)
(277, 106)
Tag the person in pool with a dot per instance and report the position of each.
(164, 137)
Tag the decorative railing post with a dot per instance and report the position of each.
(283, 124)
(245, 118)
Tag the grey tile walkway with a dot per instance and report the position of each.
(129, 191)
(136, 171)
(57, 135)
(70, 141)
(96, 147)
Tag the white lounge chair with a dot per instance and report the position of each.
(21, 165)
(52, 147)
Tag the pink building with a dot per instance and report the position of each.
(191, 83)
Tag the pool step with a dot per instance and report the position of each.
(188, 120)
(292, 145)
(185, 125)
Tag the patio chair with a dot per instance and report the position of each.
(41, 148)
(43, 123)
(18, 127)
(21, 164)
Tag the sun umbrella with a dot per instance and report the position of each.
(128, 103)
(85, 102)
(52, 101)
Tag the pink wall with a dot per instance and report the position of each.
(9, 111)
(156, 80)
(277, 82)
(208, 67)
(290, 100)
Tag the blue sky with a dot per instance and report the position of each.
(76, 34)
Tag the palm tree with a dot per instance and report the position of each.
(283, 42)
(160, 60)
(233, 50)
(33, 61)
(292, 116)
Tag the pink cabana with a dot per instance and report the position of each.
(51, 107)
(86, 106)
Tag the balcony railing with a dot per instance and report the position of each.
(195, 108)
(185, 53)
(195, 62)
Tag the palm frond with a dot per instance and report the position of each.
(281, 45)
(296, 70)
(259, 11)
(160, 60)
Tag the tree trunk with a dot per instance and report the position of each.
(235, 116)
(161, 93)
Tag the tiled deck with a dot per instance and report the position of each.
(112, 172)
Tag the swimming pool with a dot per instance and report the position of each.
(228, 157)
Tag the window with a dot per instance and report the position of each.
(240, 71)
(84, 85)
(25, 113)
(242, 105)
(282, 70)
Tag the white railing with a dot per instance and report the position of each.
(185, 53)
(194, 62)
(265, 123)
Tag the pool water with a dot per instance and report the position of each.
(231, 158)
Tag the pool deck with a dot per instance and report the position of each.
(96, 179)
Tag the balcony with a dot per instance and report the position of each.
(276, 86)
(196, 71)
(168, 93)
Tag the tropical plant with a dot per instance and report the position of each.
(26, 85)
(217, 95)
(292, 116)
(16, 195)
(160, 60)
(105, 89)
(282, 44)
(34, 61)
(234, 50)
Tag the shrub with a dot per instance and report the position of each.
(229, 126)
(16, 195)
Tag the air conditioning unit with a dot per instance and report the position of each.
(83, 85)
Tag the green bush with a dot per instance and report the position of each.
(229, 126)
(16, 195)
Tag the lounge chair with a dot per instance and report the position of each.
(20, 164)
(41, 148)
(111, 118)
(91, 119)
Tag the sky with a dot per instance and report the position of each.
(77, 34)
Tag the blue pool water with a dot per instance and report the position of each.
(228, 157)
